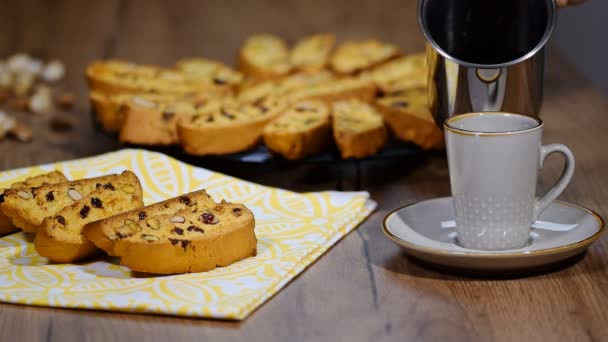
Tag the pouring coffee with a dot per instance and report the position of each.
(486, 55)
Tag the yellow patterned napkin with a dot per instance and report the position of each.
(293, 230)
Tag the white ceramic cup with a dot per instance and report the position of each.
(494, 160)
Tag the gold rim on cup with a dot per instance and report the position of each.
(449, 127)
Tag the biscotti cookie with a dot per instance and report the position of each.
(28, 207)
(148, 122)
(304, 130)
(284, 87)
(190, 240)
(117, 77)
(104, 233)
(264, 56)
(351, 57)
(214, 72)
(52, 177)
(109, 109)
(312, 53)
(409, 118)
(59, 237)
(402, 73)
(257, 92)
(337, 90)
(234, 127)
(358, 129)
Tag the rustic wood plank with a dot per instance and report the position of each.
(364, 288)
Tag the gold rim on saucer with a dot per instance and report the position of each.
(483, 254)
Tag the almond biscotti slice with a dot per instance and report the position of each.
(59, 237)
(283, 87)
(119, 77)
(351, 57)
(358, 129)
(264, 56)
(104, 233)
(402, 73)
(232, 128)
(337, 90)
(192, 240)
(28, 207)
(304, 130)
(214, 72)
(52, 177)
(153, 122)
(109, 109)
(409, 119)
(312, 53)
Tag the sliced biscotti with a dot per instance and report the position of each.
(409, 118)
(192, 240)
(28, 207)
(336, 90)
(351, 57)
(284, 87)
(234, 127)
(264, 56)
(106, 232)
(402, 73)
(304, 130)
(59, 237)
(358, 129)
(312, 53)
(52, 177)
(117, 77)
(109, 109)
(217, 73)
(153, 122)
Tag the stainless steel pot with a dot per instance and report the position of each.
(486, 55)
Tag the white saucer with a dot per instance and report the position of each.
(417, 228)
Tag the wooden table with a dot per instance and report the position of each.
(363, 289)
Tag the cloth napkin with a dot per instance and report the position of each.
(293, 230)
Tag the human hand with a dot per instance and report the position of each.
(564, 3)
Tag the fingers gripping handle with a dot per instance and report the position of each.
(562, 182)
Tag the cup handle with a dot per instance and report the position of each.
(561, 184)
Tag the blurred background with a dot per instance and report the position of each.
(162, 31)
(581, 36)
(157, 31)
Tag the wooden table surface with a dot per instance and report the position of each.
(364, 288)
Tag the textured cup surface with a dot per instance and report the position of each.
(494, 161)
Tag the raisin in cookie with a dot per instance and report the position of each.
(312, 53)
(59, 237)
(199, 238)
(351, 57)
(104, 233)
(304, 130)
(358, 129)
(53, 177)
(409, 118)
(234, 127)
(264, 56)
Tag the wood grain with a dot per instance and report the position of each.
(363, 289)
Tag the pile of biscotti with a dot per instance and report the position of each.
(298, 101)
(76, 220)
